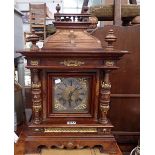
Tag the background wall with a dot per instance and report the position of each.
(125, 98)
(18, 32)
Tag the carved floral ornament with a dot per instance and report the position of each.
(105, 85)
(37, 107)
(109, 63)
(34, 62)
(36, 85)
(72, 63)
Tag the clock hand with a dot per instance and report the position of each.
(70, 98)
(63, 101)
(71, 82)
(74, 90)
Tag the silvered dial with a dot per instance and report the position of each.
(71, 94)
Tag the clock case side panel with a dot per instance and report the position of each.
(61, 118)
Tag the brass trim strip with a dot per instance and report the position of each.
(71, 130)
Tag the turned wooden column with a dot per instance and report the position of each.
(105, 97)
(36, 84)
(36, 96)
(105, 83)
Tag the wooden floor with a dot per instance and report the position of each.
(88, 151)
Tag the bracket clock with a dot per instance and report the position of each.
(71, 88)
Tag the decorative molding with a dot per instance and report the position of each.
(72, 63)
(38, 129)
(126, 133)
(125, 95)
(69, 145)
(71, 130)
(104, 130)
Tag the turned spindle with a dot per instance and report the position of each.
(58, 8)
(85, 9)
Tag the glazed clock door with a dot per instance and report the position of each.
(71, 95)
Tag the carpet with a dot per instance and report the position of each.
(94, 151)
(88, 151)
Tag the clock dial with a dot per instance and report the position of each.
(70, 94)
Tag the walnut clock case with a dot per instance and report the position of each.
(71, 88)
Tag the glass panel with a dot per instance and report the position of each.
(70, 94)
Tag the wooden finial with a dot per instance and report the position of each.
(85, 9)
(33, 38)
(110, 39)
(94, 22)
(58, 8)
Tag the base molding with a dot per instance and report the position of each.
(63, 136)
(106, 145)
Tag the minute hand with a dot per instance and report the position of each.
(70, 98)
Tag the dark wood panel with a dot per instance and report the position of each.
(127, 140)
(127, 78)
(125, 101)
(124, 114)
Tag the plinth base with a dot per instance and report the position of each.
(71, 137)
(106, 145)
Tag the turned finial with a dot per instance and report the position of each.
(33, 38)
(58, 8)
(110, 39)
(85, 9)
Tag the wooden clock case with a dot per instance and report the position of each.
(71, 52)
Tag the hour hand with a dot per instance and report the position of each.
(70, 98)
